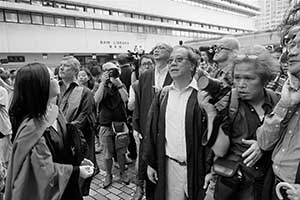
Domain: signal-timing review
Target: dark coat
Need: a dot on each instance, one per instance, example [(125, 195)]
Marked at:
[(144, 99), (154, 154), (78, 107)]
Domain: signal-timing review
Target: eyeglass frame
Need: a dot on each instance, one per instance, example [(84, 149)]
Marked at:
[(177, 60)]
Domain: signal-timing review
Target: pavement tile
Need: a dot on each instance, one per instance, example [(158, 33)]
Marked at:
[(100, 197), (127, 190), (113, 197), (102, 191), (123, 195), (118, 190), (114, 190), (117, 185)]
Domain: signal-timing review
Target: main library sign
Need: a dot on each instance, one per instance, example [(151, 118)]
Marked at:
[(114, 44)]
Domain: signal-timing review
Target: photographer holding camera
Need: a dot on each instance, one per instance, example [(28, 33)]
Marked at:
[(111, 97)]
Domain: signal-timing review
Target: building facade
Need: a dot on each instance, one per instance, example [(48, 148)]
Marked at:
[(272, 12), (46, 30), (264, 38)]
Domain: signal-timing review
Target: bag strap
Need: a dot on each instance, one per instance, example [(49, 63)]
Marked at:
[(233, 105)]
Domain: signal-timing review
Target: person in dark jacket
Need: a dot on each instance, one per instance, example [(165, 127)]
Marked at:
[(78, 106), (150, 82), (176, 160)]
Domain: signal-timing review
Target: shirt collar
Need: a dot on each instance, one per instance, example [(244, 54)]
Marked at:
[(192, 84), (162, 71)]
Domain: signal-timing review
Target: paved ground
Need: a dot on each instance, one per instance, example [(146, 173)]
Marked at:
[(117, 190)]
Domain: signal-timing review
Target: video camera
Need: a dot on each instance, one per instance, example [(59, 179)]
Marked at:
[(214, 87)]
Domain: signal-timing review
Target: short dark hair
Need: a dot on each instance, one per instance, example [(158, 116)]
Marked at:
[(31, 94)]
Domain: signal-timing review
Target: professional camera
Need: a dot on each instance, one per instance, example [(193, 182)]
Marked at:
[(214, 87), (114, 73)]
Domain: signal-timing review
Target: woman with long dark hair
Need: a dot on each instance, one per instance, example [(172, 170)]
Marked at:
[(41, 161)]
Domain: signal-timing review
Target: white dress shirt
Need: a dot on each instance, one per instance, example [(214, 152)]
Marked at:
[(160, 76), (175, 121)]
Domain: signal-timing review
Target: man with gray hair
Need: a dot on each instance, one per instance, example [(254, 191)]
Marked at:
[(78, 106), (225, 51)]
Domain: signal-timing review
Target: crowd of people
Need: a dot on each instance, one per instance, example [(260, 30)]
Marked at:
[(219, 122)]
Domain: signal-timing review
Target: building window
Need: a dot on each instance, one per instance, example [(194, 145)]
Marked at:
[(37, 2), (114, 13), (24, 1), (11, 16), (113, 27), (105, 12), (140, 29), (1, 16), (136, 16), (128, 15), (49, 20), (128, 27), (48, 3), (79, 23), (90, 10), (105, 26), (97, 24), (24, 18), (121, 27), (153, 30), (70, 7), (59, 5), (134, 28), (60, 21), (89, 24), (70, 22), (37, 18), (80, 8)]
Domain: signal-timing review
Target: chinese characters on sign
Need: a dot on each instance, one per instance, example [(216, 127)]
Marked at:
[(114, 44)]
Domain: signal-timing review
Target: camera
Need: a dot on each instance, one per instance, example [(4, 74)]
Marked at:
[(114, 73), (214, 87)]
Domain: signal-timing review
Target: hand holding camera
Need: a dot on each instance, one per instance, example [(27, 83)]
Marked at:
[(105, 77), (204, 102)]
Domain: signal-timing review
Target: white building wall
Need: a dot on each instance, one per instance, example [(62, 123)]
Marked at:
[(24, 38), (179, 10)]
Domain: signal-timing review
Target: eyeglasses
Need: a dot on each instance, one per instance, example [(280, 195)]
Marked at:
[(177, 60), (220, 48), (147, 64)]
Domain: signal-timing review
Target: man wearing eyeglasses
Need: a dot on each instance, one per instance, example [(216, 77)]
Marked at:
[(78, 106), (150, 82), (280, 131), (173, 150), (225, 51)]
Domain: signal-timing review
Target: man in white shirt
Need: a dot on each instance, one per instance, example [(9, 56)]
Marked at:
[(174, 155)]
